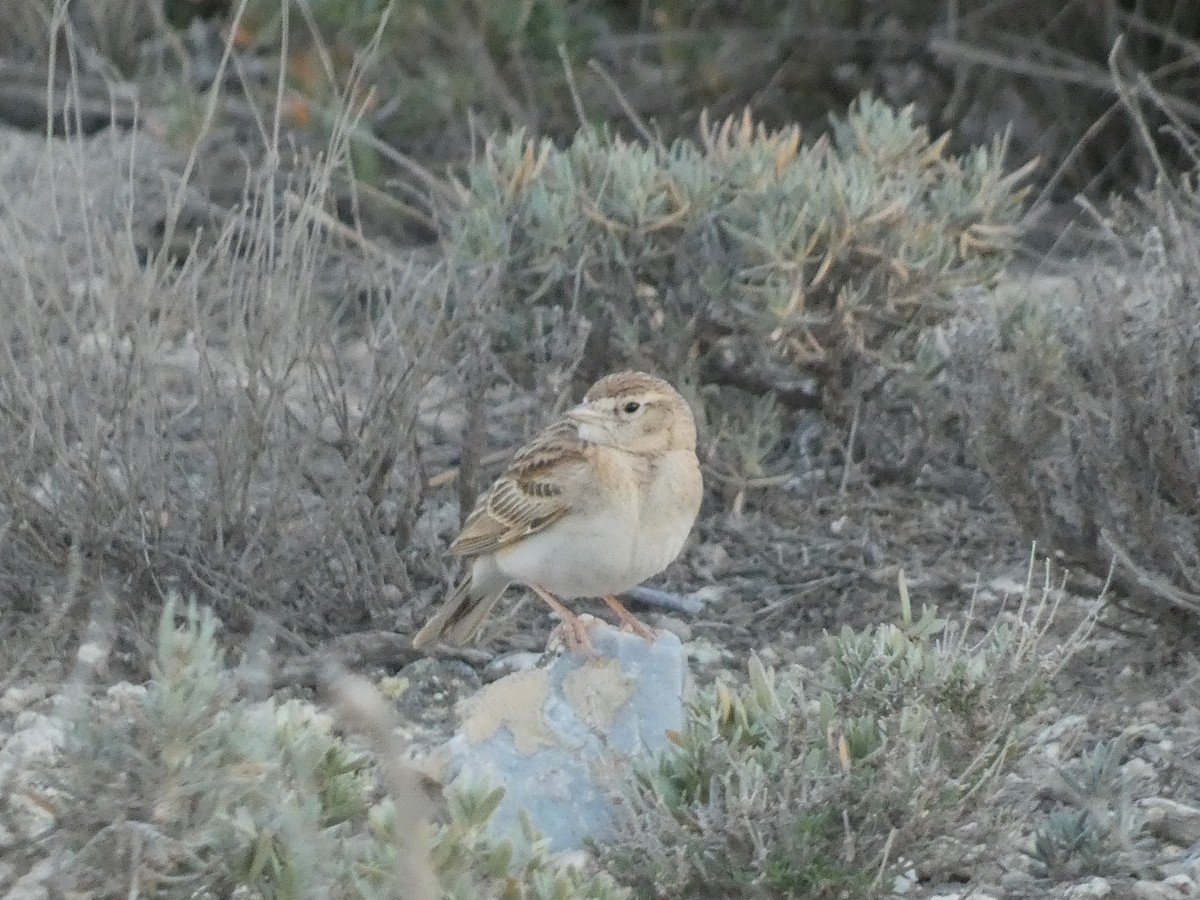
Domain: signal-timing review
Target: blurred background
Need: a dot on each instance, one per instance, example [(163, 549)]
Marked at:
[(427, 75)]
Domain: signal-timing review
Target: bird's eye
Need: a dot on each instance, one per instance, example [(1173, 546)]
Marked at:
[(632, 406)]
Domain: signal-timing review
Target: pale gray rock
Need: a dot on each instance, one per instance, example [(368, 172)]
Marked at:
[(560, 737), (33, 748), (34, 884), (1171, 820), (1093, 889), (1177, 887)]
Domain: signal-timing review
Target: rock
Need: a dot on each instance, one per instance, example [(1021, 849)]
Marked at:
[(126, 698), (1138, 776), (705, 653), (1182, 886), (431, 688), (21, 697), (1177, 887), (1017, 882), (34, 884), (1092, 889), (676, 626), (510, 664), (1050, 738), (34, 748), (906, 879), (709, 596), (556, 737), (1171, 820)]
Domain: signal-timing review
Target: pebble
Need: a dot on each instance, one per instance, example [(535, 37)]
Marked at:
[(20, 697)]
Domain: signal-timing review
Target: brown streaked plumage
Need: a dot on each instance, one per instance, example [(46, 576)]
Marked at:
[(527, 497), (595, 504)]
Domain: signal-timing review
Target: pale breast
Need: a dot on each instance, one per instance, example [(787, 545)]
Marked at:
[(616, 538), (671, 503), (590, 551)]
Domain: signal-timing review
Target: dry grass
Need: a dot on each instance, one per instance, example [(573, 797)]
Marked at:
[(239, 425)]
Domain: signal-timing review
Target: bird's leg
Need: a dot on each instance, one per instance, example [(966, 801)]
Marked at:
[(628, 619), (577, 636)]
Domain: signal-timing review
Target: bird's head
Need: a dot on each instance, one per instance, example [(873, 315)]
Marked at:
[(635, 412)]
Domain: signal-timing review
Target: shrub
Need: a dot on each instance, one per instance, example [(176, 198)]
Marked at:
[(114, 32), (195, 793), (1081, 398), (200, 792), (746, 257), (234, 423), (817, 783), (1097, 829)]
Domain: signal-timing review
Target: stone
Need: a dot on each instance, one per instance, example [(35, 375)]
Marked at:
[(1177, 887), (558, 737), (1171, 820), (1093, 889), (906, 879), (34, 884)]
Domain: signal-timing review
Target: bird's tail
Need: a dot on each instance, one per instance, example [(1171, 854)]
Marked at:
[(460, 616)]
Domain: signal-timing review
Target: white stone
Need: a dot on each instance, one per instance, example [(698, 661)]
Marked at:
[(19, 697), (37, 741), (905, 881)]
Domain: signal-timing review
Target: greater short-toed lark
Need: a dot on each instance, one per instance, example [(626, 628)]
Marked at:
[(594, 505)]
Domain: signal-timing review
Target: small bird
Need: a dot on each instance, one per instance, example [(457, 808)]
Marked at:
[(594, 505)]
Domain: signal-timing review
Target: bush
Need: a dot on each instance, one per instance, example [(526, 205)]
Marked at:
[(200, 792), (818, 783), (241, 424), (747, 257), (805, 783), (1081, 398)]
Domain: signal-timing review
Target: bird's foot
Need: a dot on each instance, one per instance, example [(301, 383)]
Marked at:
[(571, 628), (574, 634)]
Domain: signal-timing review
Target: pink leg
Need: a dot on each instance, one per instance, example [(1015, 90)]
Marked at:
[(629, 620)]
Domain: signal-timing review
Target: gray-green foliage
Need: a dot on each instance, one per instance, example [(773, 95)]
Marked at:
[(811, 783), (1098, 830), (200, 793), (229, 793), (517, 867), (745, 242)]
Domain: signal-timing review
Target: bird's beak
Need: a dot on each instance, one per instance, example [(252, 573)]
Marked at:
[(585, 415)]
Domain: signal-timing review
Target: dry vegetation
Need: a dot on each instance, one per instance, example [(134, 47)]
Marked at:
[(896, 744), (237, 425), (1083, 406)]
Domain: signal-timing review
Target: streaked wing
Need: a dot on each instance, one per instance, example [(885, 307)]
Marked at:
[(532, 494)]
